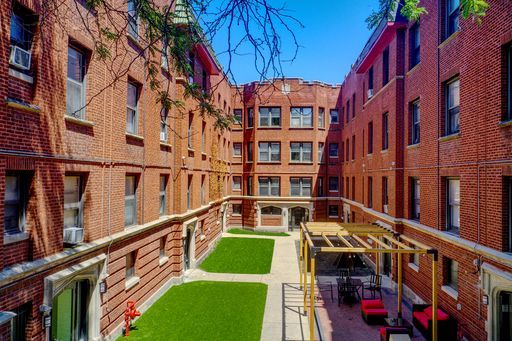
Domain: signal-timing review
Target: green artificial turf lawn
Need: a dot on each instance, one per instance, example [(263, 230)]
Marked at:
[(241, 256), (258, 233), (204, 310)]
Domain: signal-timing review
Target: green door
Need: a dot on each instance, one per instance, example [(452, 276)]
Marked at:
[(69, 313)]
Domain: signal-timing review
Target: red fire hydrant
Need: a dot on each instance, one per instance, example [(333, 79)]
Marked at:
[(129, 314)]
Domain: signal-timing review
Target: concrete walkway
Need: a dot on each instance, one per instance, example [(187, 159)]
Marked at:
[(284, 317)]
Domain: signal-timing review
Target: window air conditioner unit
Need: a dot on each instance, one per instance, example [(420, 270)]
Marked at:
[(385, 208), (20, 58), (163, 137), (73, 235), (370, 93)]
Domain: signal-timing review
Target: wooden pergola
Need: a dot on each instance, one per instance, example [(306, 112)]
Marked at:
[(333, 237)]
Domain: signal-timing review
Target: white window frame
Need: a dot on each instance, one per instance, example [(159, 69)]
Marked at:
[(164, 119), (237, 149), (337, 184), (271, 149), (132, 113), (163, 195), (129, 197), (301, 117), (133, 20), (334, 119), (304, 186), (20, 201), (453, 109), (332, 156), (321, 118), (74, 206), (269, 184), (453, 205), (237, 183), (80, 113), (301, 149), (337, 211), (269, 114)]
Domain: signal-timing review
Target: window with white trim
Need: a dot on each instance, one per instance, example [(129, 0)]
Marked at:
[(415, 198), (334, 116), (163, 248), (269, 152), (73, 205), (301, 117), (333, 150), (237, 149), (269, 186), (132, 108), (163, 195), (300, 187), (164, 122), (452, 106), (333, 211), (334, 184), (301, 152), (237, 115), (321, 118), (130, 200), (451, 273), (415, 122), (321, 147), (237, 209), (75, 89), (133, 19), (15, 202), (237, 183), (453, 205), (130, 268), (270, 117), (452, 17)]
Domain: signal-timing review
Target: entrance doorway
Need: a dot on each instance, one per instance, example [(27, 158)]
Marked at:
[(297, 215), (505, 315), (69, 312), (187, 243)]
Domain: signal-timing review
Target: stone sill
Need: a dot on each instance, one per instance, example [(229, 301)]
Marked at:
[(78, 121), (384, 151), (413, 146), (16, 104), (134, 41), (301, 128), (448, 40), (165, 144), (130, 283), (450, 291), (135, 136), (450, 137), (300, 163), (504, 124), (21, 76), (415, 67), (414, 267), (163, 260), (270, 128), (14, 238)]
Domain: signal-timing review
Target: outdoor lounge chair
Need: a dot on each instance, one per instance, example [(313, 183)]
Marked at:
[(422, 320), (386, 332), (373, 311)]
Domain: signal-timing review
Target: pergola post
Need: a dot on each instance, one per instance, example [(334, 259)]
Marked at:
[(301, 256), (434, 295), (312, 300), (377, 263), (305, 273), (399, 285)]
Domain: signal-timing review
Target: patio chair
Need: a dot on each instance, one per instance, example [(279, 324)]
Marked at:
[(373, 285), (344, 273), (324, 287), (348, 292)]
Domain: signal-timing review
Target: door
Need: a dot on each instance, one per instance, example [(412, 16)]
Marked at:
[(186, 249), (505, 315), (297, 216), (69, 313)]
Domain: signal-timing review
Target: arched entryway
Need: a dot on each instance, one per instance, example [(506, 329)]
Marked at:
[(505, 315), (297, 215)]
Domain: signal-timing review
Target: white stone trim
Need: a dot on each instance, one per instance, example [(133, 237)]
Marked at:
[(14, 238), (493, 282), (450, 291), (131, 282)]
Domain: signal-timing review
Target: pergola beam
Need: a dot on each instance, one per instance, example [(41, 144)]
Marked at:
[(344, 241), (327, 240), (378, 241), (396, 242), (362, 242)]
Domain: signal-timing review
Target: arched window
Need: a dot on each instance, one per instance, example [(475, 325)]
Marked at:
[(271, 210)]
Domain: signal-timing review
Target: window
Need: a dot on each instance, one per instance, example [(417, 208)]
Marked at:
[(347, 187), (370, 82), (189, 192), (190, 131), (269, 186), (15, 202), (301, 117), (353, 105), (203, 137), (333, 184), (73, 209), (320, 190), (348, 111), (335, 119), (414, 34), (333, 211), (237, 149), (415, 259), (508, 109), (385, 67), (270, 117), (238, 116), (353, 147), (370, 138), (130, 265), (333, 150), (385, 200), (165, 53), (453, 209), (452, 105), (75, 91), (451, 274), (385, 131), (370, 192), (22, 32), (320, 155), (250, 154), (162, 248), (237, 209), (250, 117), (130, 200), (204, 82), (321, 118), (300, 187), (271, 210), (301, 152), (415, 198), (508, 214), (132, 108), (163, 194), (133, 20), (269, 152), (237, 183), (353, 192), (19, 322), (192, 68), (203, 189), (164, 117), (415, 122), (452, 17), (249, 185), (347, 150)]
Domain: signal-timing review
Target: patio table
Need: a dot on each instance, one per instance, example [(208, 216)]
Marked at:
[(399, 323)]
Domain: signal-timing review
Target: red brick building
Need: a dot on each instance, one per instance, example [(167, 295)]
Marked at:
[(418, 137)]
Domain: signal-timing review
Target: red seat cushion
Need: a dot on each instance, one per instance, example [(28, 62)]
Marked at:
[(376, 312), (441, 315), (382, 331), (370, 304), (422, 318)]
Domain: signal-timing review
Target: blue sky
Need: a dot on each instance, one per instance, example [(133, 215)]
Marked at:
[(333, 35)]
